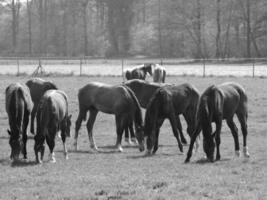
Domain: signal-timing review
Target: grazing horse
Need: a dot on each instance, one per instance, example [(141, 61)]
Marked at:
[(169, 102), (37, 88), (218, 103), (18, 107), (52, 116), (144, 90), (159, 74), (139, 72), (118, 100)]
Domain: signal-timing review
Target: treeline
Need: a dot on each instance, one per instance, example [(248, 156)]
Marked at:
[(114, 28)]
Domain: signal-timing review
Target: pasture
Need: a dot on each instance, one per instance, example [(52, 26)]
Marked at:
[(130, 175)]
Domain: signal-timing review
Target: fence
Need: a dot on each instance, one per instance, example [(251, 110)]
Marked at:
[(114, 67)]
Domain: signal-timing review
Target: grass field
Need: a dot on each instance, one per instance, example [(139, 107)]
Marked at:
[(129, 175)]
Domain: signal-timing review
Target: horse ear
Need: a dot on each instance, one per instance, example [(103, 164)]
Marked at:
[(9, 132)]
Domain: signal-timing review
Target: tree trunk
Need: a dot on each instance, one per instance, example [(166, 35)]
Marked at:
[(199, 31), (29, 8), (85, 26), (248, 6), (218, 35), (15, 8)]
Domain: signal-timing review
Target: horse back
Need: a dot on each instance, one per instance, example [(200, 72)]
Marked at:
[(235, 98), (18, 94), (57, 104), (103, 97), (38, 87)]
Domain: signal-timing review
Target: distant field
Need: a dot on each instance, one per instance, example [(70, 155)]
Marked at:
[(129, 175), (114, 67)]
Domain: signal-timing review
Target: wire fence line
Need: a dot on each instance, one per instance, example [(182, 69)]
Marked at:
[(115, 67)]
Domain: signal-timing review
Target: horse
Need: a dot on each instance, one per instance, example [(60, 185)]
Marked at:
[(52, 116), (139, 72), (37, 88), (159, 74), (118, 100), (144, 90), (18, 107), (169, 102), (219, 103)]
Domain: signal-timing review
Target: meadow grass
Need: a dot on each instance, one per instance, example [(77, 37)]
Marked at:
[(130, 175)]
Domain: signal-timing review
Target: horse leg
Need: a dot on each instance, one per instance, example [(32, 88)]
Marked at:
[(120, 124), (159, 124), (192, 141), (89, 125), (50, 140), (63, 137), (33, 113), (179, 126), (234, 131), (243, 121), (127, 139), (77, 128), (24, 133), (39, 146), (218, 138), (174, 130)]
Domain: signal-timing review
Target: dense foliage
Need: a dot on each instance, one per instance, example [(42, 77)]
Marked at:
[(169, 28)]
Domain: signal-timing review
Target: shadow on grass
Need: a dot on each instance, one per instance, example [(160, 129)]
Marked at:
[(5, 162), (23, 163), (101, 150), (203, 161)]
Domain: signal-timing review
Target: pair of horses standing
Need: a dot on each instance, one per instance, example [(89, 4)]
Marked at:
[(166, 101), (41, 97), (158, 72)]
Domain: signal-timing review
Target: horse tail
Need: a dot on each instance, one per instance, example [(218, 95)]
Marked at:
[(138, 118), (218, 101), (82, 110), (20, 104)]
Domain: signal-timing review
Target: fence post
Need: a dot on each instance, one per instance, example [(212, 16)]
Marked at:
[(253, 68), (122, 69), (18, 71), (81, 63), (204, 68)]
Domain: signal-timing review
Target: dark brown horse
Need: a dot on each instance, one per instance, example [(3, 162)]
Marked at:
[(18, 107), (144, 90), (169, 102), (218, 103), (37, 88), (52, 116), (118, 100), (139, 72), (159, 74)]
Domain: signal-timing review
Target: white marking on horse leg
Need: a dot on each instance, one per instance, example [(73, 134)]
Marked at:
[(145, 142), (65, 151), (75, 144), (237, 153), (245, 151), (92, 142), (120, 149), (59, 134), (52, 158)]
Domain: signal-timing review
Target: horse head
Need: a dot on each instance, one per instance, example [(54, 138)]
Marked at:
[(16, 144), (209, 147), (140, 138)]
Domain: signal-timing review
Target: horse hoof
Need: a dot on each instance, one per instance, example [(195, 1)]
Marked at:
[(237, 153)]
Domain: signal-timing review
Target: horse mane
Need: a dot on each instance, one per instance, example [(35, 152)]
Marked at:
[(49, 86), (138, 118)]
